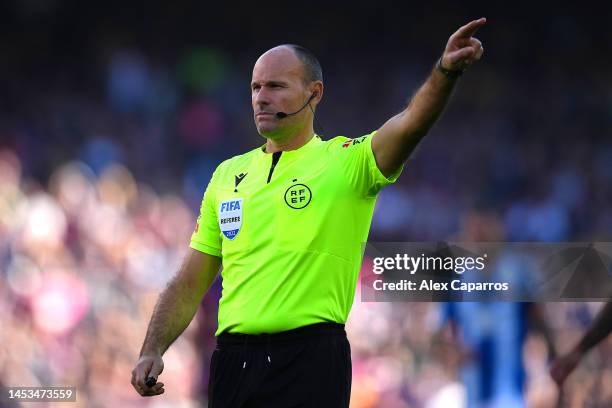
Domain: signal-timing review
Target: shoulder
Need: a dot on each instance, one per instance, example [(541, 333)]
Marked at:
[(344, 143), (229, 167), (336, 142)]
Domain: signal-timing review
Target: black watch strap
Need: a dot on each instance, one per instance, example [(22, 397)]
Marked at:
[(451, 74)]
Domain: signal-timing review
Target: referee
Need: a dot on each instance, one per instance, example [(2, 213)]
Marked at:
[(287, 220)]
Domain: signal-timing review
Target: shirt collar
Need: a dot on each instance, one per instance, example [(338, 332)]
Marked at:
[(313, 142)]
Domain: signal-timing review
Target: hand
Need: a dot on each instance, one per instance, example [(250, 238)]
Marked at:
[(563, 366), (148, 366), (462, 50)]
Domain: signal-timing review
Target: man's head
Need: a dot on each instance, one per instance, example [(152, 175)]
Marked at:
[(284, 79)]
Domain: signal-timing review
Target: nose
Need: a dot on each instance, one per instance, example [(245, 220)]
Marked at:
[(261, 97)]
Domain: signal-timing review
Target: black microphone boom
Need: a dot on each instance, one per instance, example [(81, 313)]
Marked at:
[(282, 115)]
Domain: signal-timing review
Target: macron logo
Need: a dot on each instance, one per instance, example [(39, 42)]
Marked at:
[(239, 178)]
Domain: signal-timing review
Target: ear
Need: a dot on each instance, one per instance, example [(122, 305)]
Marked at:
[(316, 90)]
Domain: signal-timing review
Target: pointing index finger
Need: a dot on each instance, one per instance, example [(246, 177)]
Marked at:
[(470, 28)]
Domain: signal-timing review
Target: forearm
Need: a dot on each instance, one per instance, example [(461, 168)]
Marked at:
[(426, 105), (173, 312), (179, 302), (400, 135), (599, 330)]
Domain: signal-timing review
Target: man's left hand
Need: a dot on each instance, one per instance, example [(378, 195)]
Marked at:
[(462, 49)]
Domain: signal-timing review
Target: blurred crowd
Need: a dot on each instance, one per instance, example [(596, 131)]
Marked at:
[(107, 143), (84, 257)]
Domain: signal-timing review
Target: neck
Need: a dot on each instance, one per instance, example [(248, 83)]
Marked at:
[(293, 142)]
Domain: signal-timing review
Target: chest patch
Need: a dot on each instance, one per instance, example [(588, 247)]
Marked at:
[(230, 217)]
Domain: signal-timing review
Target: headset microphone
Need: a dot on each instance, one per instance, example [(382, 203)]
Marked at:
[(282, 115)]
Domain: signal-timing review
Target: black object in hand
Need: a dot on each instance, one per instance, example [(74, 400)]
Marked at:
[(151, 382)]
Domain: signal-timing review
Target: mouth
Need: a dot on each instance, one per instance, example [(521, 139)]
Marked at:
[(263, 114)]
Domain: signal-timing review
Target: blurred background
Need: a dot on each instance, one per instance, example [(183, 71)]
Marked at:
[(114, 115)]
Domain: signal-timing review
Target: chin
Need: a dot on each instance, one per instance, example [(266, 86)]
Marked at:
[(269, 132)]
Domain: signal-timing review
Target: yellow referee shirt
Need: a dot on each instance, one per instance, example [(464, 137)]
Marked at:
[(289, 227)]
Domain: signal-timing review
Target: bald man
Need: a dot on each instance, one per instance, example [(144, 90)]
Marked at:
[(287, 221)]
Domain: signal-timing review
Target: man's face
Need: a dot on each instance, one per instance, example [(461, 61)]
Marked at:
[(277, 86)]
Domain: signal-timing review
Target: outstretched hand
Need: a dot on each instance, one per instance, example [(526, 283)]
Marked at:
[(462, 49)]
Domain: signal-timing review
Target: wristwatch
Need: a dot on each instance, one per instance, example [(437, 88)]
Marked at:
[(450, 74)]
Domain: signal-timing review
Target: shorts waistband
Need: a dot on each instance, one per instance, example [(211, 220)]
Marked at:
[(294, 334)]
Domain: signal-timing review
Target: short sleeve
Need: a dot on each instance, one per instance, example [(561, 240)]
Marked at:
[(207, 236), (359, 164)]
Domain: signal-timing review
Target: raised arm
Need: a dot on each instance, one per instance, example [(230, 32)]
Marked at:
[(173, 312), (398, 137)]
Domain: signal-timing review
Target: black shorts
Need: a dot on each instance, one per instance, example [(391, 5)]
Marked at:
[(306, 367)]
